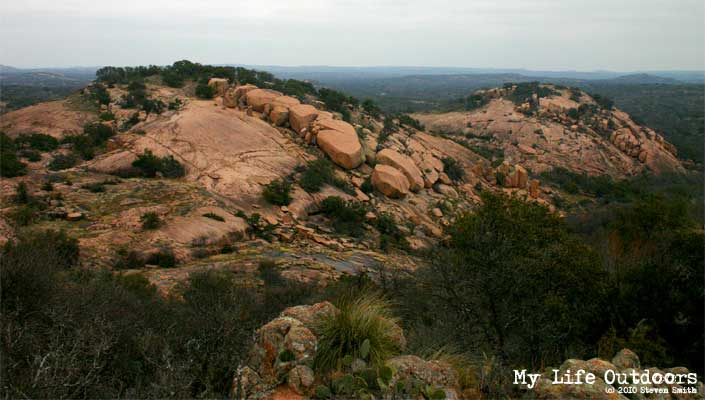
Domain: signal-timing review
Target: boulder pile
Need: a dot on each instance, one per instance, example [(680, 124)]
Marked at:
[(338, 139), (281, 360)]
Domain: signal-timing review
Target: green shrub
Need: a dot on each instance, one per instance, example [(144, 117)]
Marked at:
[(150, 221), (348, 217), (148, 163), (322, 172), (204, 91), (367, 186), (107, 116), (153, 106), (22, 195), (62, 161), (126, 259), (363, 328), (170, 168), (259, 227), (389, 232), (94, 187), (175, 104), (453, 169), (214, 217), (317, 173), (83, 145), (38, 141), (172, 79), (278, 192), (164, 258), (30, 155), (10, 165)]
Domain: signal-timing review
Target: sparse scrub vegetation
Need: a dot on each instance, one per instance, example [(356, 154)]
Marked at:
[(150, 221), (215, 217), (453, 169), (322, 172), (278, 192), (347, 217), (149, 165)]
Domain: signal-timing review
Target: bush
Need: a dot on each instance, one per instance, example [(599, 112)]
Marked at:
[(278, 192), (214, 217), (364, 328), (38, 141), (204, 91), (367, 186), (126, 259), (82, 145), (10, 165), (62, 161), (453, 169), (22, 195), (534, 289), (170, 168), (348, 217), (149, 165), (322, 172), (150, 221), (30, 155), (164, 258), (95, 187), (107, 116)]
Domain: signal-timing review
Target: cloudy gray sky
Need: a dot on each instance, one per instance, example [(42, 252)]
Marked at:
[(621, 35)]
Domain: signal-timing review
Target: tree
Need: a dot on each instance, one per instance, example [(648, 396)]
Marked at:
[(517, 284)]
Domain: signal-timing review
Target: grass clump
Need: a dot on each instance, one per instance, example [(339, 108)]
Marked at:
[(363, 328), (278, 192)]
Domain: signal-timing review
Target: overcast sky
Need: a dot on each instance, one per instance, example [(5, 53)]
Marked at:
[(620, 35)]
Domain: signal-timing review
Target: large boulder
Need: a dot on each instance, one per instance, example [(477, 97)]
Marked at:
[(219, 86), (403, 164), (232, 96), (301, 116), (339, 141), (279, 109), (258, 98), (279, 115), (390, 181), (286, 101)]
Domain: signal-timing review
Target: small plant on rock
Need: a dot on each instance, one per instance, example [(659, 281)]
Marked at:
[(278, 192), (150, 221)]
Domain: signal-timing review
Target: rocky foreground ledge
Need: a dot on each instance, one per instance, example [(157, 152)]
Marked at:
[(281, 366)]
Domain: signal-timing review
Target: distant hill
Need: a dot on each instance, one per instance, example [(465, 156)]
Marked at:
[(643, 79)]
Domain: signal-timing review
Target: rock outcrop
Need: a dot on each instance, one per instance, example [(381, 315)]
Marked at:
[(405, 165), (281, 359), (258, 98), (339, 141), (301, 117), (390, 181), (218, 85)]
